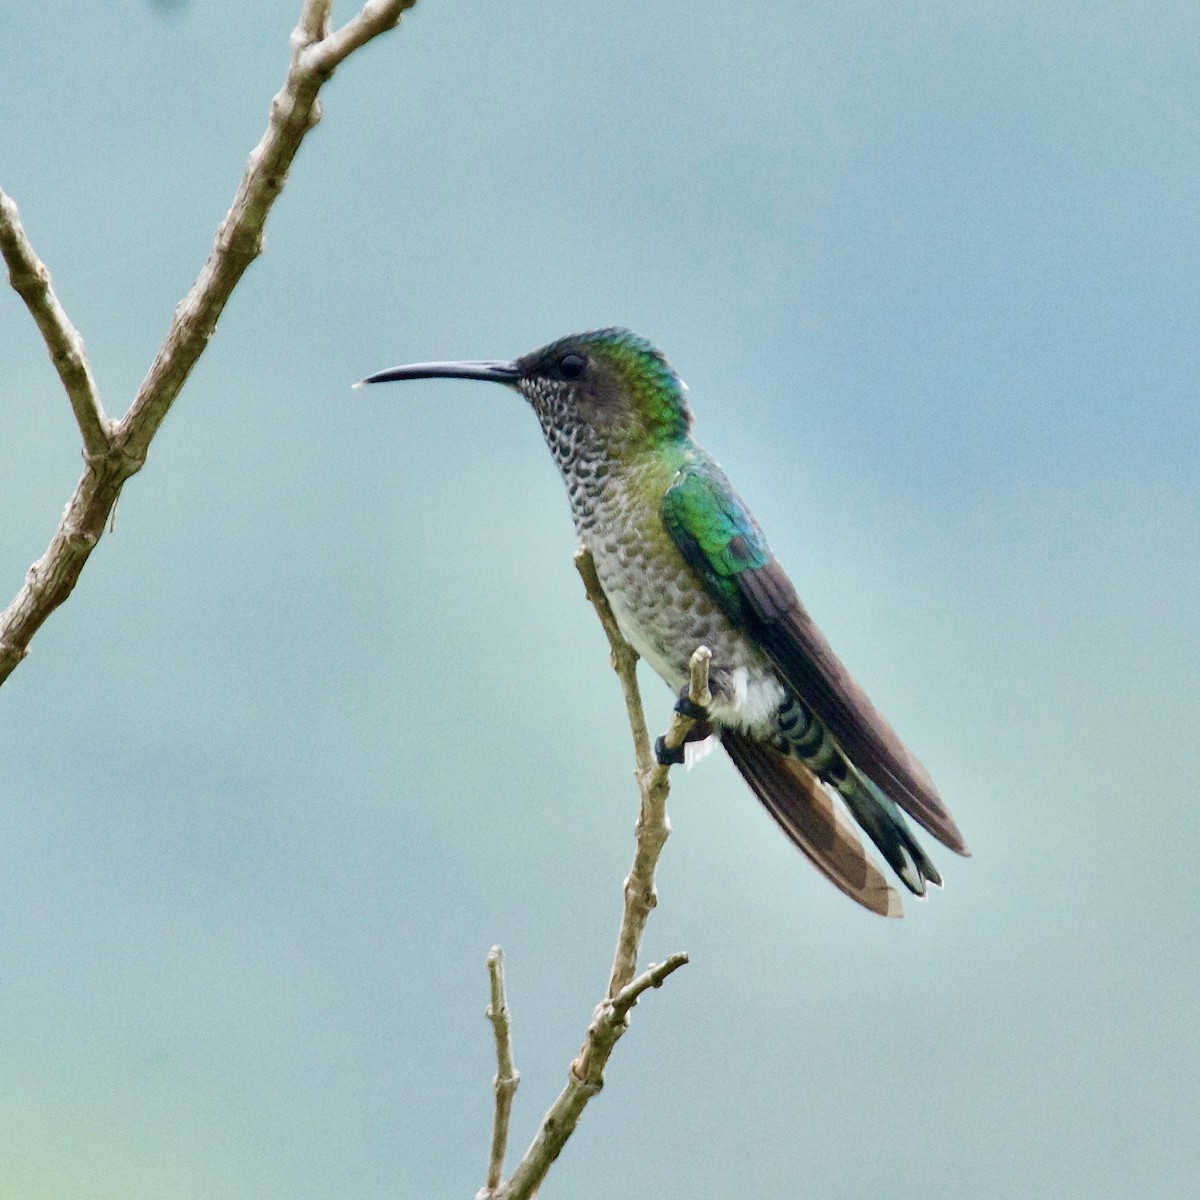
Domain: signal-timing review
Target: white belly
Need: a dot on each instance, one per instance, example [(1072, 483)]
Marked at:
[(746, 691)]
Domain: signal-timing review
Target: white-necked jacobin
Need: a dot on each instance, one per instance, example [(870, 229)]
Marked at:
[(684, 563)]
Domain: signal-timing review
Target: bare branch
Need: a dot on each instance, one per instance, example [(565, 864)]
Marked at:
[(653, 977), (652, 830), (584, 1080), (653, 827), (115, 451), (294, 111), (31, 281), (314, 22), (611, 1018), (51, 579), (624, 658), (376, 17), (507, 1076)]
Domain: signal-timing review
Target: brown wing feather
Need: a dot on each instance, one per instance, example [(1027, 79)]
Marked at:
[(799, 649), (808, 815)]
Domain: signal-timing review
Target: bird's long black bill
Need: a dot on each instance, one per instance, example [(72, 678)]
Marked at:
[(490, 372)]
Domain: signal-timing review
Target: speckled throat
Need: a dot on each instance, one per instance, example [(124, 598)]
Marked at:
[(582, 461), (662, 606)]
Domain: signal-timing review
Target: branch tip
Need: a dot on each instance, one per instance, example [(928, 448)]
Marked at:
[(653, 977), (30, 279), (698, 687), (507, 1076)]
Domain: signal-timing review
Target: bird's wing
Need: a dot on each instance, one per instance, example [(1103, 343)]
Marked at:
[(722, 542)]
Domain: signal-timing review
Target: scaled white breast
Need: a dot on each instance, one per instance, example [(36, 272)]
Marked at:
[(640, 638), (749, 699)]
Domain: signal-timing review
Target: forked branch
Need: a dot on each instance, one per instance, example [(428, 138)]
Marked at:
[(113, 451), (611, 1017)]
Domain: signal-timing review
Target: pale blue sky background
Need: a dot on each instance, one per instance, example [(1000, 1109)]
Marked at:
[(930, 270)]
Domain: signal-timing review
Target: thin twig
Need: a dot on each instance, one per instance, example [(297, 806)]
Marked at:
[(116, 450), (30, 279), (376, 17), (611, 1018), (584, 1080), (314, 22), (652, 830), (507, 1076), (623, 656), (653, 826), (653, 977), (239, 241)]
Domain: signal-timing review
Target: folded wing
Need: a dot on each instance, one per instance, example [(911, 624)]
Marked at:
[(722, 542)]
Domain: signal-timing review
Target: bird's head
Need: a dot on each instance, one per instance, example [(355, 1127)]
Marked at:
[(608, 390)]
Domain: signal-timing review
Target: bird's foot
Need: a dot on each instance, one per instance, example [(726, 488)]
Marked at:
[(668, 756), (685, 706)]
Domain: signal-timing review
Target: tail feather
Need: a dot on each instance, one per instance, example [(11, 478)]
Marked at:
[(806, 812), (801, 735), (884, 823)]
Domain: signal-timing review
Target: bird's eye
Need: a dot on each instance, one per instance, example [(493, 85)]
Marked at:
[(571, 366)]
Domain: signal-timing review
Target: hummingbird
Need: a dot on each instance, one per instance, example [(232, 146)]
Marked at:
[(684, 563)]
